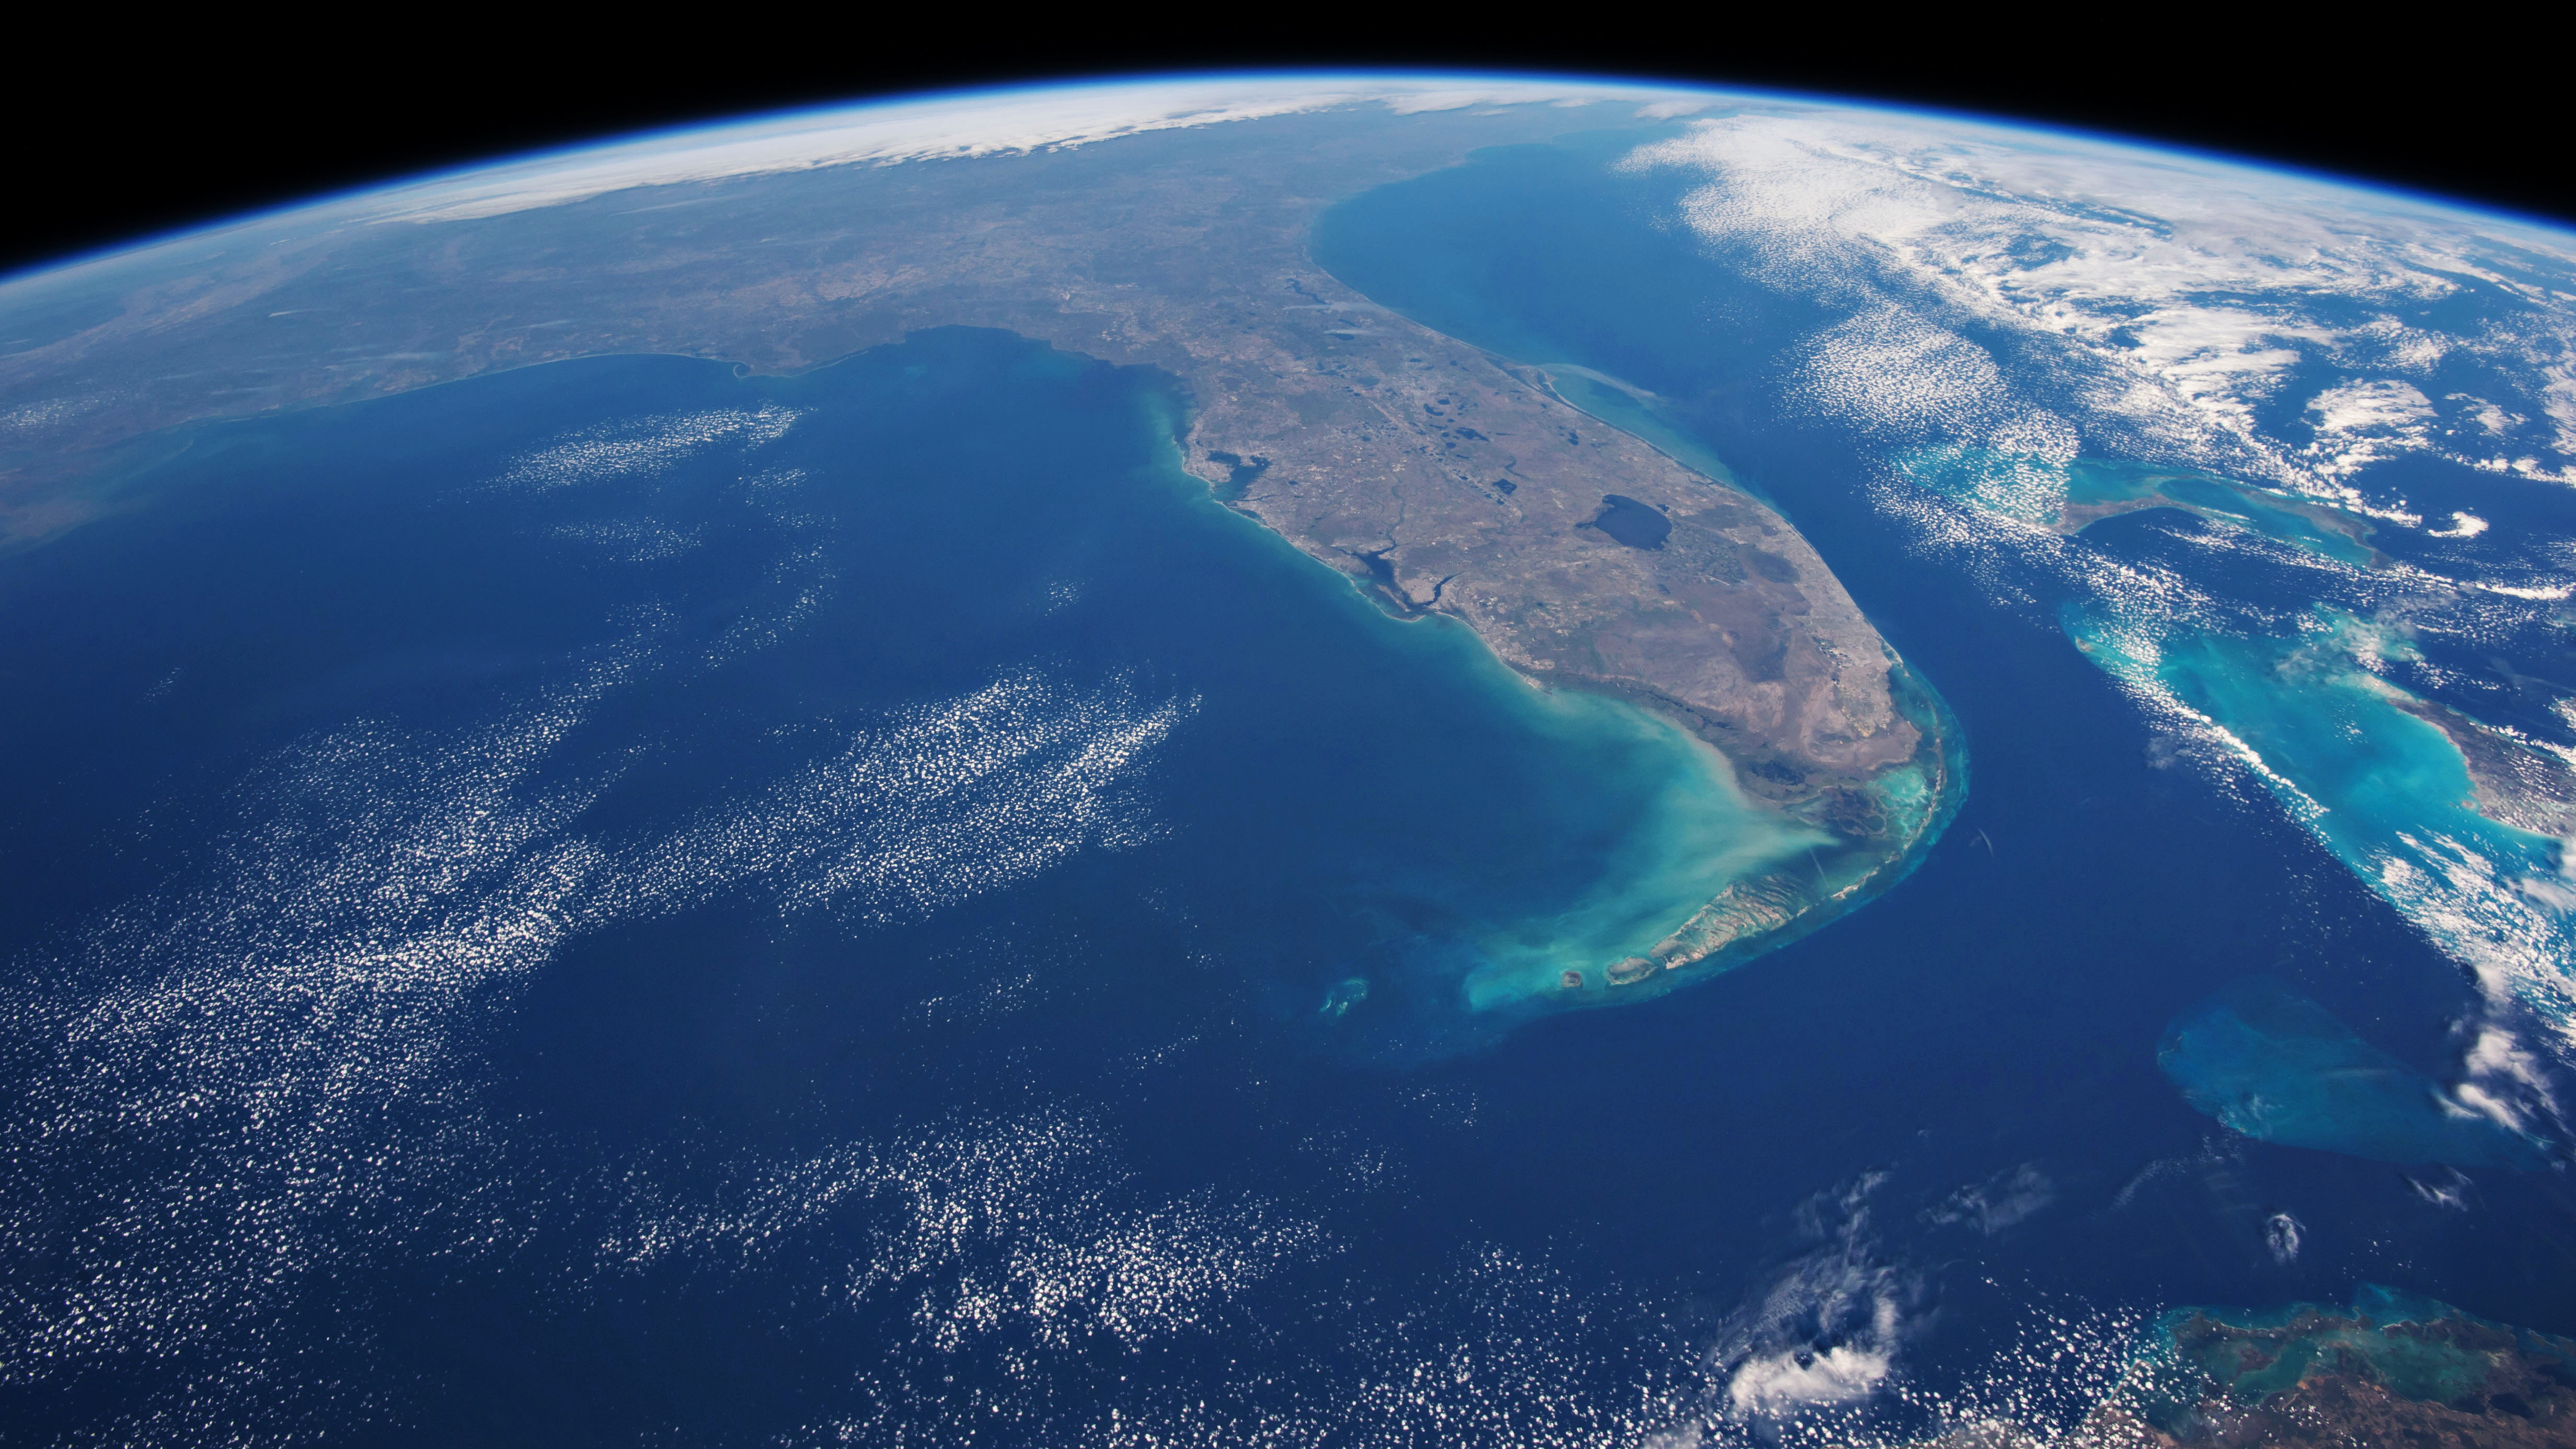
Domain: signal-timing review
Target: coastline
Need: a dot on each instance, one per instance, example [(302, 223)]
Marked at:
[(1911, 800), (1756, 917), (1435, 475)]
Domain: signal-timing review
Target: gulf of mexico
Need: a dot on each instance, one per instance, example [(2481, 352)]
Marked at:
[(633, 890)]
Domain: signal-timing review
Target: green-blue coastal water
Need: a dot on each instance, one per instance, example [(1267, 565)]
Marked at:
[(2275, 1066), (2117, 866), (720, 826), (2351, 754), (1424, 821), (1698, 835), (2411, 1348), (2353, 759), (621, 903), (2065, 493)]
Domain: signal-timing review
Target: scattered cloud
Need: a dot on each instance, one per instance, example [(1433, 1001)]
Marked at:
[(2002, 1201)]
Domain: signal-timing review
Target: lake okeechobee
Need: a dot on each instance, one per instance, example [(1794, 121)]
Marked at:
[(636, 899)]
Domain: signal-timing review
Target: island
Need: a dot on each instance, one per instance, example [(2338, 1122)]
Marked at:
[(2390, 1369)]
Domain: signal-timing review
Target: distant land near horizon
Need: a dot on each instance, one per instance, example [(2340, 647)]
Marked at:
[(2471, 127), (978, 768)]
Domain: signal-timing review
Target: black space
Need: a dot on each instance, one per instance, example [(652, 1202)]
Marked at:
[(179, 129)]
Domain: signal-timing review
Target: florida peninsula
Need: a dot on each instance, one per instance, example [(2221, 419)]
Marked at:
[(1442, 479)]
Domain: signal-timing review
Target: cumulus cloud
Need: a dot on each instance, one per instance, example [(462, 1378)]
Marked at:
[(1825, 1333), (2363, 422), (2451, 1193), (2282, 1235), (1892, 371), (2502, 1079), (289, 1028), (933, 806), (2002, 1201), (633, 447), (2177, 296), (1031, 1224)]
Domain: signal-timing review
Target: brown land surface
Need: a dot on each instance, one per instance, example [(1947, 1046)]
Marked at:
[(2076, 517), (2524, 1397), (2515, 784), (1442, 478)]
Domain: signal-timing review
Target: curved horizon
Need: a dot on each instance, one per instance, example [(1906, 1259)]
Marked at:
[(1362, 86)]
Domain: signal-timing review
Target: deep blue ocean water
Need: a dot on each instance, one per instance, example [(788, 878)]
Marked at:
[(615, 901), (2089, 893), (971, 707)]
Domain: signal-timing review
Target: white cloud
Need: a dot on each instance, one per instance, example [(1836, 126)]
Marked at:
[(2359, 423), (935, 806), (1892, 370), (991, 123), (2179, 293), (633, 446), (1803, 1378), (290, 1030), (1033, 1221), (2002, 1201), (1826, 1332), (2283, 1233)]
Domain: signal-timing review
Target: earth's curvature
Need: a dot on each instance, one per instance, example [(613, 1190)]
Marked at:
[(1300, 760)]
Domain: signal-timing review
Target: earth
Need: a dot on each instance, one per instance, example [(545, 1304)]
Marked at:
[(1296, 759)]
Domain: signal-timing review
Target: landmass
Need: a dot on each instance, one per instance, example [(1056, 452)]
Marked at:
[(1441, 479), (2391, 1370), (2098, 490), (2513, 783)]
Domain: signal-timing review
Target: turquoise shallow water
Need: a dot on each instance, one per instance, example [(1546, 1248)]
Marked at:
[(2387, 791), (1468, 836), (2113, 868), (628, 904), (646, 757), (1663, 828), (2031, 488), (2409, 1346), (2275, 1066), (744, 822), (1698, 835), (2326, 532)]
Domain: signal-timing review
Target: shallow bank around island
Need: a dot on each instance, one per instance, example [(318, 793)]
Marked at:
[(2071, 495), (2454, 824), (2277, 1067), (2393, 1368)]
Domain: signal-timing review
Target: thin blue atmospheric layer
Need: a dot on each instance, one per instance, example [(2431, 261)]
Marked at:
[(2277, 1067), (1437, 840)]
